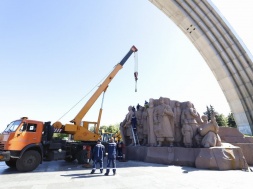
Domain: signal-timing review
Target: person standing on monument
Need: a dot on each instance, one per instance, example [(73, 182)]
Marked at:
[(138, 115), (134, 126)]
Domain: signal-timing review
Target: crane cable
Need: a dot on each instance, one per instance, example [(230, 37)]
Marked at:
[(135, 76), (85, 97), (136, 69)]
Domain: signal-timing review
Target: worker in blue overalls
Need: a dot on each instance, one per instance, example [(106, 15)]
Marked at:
[(111, 157), (98, 153)]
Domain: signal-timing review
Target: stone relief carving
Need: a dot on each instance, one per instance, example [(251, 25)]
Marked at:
[(127, 126), (209, 132), (145, 125), (177, 124), (139, 124), (165, 122)]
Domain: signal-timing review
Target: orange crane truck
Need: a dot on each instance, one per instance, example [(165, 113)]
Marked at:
[(25, 143)]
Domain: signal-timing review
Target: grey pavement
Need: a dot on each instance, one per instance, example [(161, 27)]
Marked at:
[(130, 174)]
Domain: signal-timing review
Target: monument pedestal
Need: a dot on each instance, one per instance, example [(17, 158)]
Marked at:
[(218, 158), (221, 158)]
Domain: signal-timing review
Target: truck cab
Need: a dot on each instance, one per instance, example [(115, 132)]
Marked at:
[(25, 143), (21, 133), (20, 144)]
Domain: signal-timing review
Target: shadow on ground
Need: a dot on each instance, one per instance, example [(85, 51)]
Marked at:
[(55, 166)]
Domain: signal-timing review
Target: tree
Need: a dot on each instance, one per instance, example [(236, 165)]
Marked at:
[(103, 129), (209, 111), (221, 120), (231, 120), (110, 128)]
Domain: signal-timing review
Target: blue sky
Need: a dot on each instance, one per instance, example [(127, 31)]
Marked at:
[(52, 53)]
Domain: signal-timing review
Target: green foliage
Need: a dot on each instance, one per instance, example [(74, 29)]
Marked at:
[(60, 135), (110, 128), (231, 120), (209, 111), (221, 120)]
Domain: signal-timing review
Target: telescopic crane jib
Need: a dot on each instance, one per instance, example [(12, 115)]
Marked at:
[(79, 128)]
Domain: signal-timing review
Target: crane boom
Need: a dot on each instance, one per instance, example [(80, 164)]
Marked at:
[(102, 88)]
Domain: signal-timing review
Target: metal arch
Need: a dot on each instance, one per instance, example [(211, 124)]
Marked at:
[(226, 56)]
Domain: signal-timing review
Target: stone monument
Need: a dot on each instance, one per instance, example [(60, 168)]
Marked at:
[(173, 132)]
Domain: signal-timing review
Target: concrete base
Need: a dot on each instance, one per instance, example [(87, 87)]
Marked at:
[(218, 158), (236, 138), (247, 150), (221, 158)]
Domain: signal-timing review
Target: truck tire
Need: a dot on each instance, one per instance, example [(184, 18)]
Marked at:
[(29, 161), (11, 163), (81, 157)]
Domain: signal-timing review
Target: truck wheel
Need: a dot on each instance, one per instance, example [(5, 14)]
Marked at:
[(11, 163), (81, 157), (29, 161)]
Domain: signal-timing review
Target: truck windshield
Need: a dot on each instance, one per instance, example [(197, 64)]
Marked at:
[(12, 126)]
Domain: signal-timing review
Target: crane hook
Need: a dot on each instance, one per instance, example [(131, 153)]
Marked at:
[(136, 69), (136, 78)]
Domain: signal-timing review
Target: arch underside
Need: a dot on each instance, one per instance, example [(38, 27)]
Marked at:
[(225, 54)]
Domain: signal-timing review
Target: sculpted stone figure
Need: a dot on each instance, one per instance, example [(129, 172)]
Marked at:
[(209, 132), (145, 125), (189, 117), (163, 119), (157, 122), (151, 135), (123, 131), (128, 126), (204, 119), (187, 133), (198, 137), (177, 123)]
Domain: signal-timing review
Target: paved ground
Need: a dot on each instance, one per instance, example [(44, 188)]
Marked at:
[(131, 174)]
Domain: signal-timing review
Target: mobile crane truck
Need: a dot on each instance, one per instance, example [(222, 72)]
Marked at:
[(25, 143)]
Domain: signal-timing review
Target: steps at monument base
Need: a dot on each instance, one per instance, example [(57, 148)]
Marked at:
[(219, 158), (232, 139), (233, 135)]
